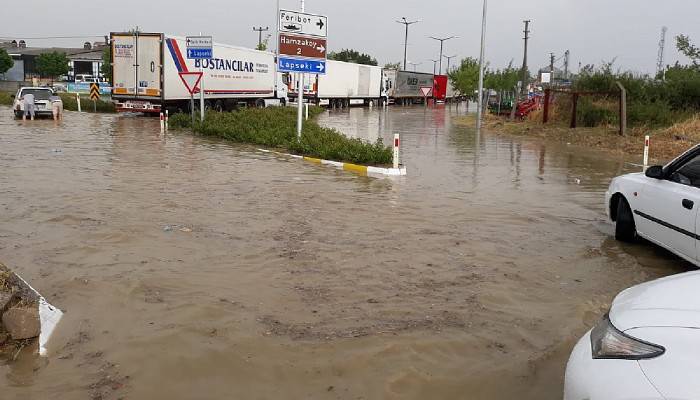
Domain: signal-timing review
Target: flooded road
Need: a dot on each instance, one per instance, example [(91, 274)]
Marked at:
[(191, 268)]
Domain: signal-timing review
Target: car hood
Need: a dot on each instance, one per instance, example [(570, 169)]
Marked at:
[(666, 302)]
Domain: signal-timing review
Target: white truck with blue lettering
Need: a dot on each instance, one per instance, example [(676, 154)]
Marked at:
[(146, 77)]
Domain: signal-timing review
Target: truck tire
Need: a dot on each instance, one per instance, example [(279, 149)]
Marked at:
[(219, 106), (260, 103), (625, 229)]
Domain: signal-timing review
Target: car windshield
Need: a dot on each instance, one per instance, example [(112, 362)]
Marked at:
[(39, 94)]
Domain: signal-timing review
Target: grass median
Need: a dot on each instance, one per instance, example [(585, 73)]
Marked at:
[(275, 127)]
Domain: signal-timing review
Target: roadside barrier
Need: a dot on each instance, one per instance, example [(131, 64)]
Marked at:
[(162, 122), (397, 143), (167, 117), (360, 169), (77, 99), (646, 153)]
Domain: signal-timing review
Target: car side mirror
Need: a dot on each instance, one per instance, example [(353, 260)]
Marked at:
[(655, 172)]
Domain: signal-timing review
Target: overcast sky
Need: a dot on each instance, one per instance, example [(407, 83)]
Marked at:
[(593, 30)]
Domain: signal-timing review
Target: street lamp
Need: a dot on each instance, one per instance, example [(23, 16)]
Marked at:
[(434, 65), (414, 65), (442, 42), (404, 21), (448, 62)]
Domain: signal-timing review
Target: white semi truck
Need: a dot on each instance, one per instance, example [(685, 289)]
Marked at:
[(146, 71), (344, 84)]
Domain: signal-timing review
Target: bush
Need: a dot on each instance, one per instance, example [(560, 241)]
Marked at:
[(5, 98), (591, 114), (276, 127), (70, 103)]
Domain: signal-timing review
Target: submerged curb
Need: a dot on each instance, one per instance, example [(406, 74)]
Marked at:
[(361, 169)]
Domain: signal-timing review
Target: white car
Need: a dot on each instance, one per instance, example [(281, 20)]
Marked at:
[(43, 99), (660, 205), (645, 348)]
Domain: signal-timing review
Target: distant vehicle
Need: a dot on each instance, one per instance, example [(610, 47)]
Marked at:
[(236, 75), (42, 101), (660, 205), (344, 84), (646, 347), (293, 27), (82, 78)]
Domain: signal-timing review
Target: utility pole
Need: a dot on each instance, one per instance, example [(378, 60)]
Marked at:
[(434, 65), (260, 30), (524, 77), (448, 62), (551, 69), (300, 99), (481, 68), (442, 42), (567, 54), (405, 42)]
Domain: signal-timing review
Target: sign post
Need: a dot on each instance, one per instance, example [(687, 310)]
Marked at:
[(200, 48), (426, 92), (191, 81), (302, 49), (94, 94)]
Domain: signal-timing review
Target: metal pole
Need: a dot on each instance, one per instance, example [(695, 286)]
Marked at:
[(201, 92), (192, 108), (479, 112), (523, 88), (441, 45), (300, 110), (405, 47)]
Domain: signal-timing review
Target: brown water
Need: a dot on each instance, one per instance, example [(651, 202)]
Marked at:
[(191, 268)]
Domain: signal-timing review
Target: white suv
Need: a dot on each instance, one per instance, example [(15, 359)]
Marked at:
[(43, 98)]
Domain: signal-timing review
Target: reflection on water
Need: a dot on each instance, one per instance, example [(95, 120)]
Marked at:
[(192, 268)]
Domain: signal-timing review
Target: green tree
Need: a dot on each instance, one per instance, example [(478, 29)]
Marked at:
[(465, 78), (262, 46), (352, 56), (5, 61), (52, 65), (505, 79), (686, 46), (396, 65), (106, 68)]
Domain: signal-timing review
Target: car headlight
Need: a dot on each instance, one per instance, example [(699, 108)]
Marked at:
[(609, 343)]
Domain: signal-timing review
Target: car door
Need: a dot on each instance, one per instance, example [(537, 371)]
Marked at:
[(669, 207)]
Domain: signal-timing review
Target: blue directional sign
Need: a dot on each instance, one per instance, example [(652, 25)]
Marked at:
[(290, 64), (199, 54)]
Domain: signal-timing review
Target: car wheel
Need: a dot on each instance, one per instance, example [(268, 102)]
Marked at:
[(625, 229)]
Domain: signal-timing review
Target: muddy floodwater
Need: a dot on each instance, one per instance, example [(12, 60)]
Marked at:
[(190, 268)]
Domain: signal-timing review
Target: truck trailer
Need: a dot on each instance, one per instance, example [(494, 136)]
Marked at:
[(146, 71), (344, 84), (406, 87)]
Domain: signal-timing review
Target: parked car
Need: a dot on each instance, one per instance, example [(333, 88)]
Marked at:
[(660, 205), (43, 96), (645, 348)]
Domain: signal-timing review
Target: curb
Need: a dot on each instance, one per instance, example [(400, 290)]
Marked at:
[(360, 169)]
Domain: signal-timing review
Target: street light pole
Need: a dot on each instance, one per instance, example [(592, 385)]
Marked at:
[(260, 30), (481, 68), (434, 65), (442, 42), (406, 22), (414, 65), (448, 62)]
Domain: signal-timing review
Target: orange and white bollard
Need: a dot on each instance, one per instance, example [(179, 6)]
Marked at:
[(646, 153), (397, 143), (162, 122)]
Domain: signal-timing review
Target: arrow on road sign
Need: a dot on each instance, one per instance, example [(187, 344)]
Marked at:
[(94, 91), (320, 23), (320, 67), (191, 81)]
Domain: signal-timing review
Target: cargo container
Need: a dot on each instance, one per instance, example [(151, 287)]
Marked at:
[(146, 75), (343, 84)]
